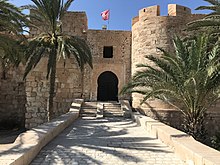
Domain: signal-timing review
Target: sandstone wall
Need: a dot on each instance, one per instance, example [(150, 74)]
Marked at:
[(120, 64), (68, 87), (12, 99), (70, 82), (73, 23)]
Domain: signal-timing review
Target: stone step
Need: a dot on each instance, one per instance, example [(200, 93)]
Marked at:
[(118, 107), (88, 115), (112, 104), (113, 114), (112, 110), (90, 104), (88, 109)]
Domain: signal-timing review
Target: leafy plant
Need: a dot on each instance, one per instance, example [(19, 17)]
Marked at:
[(189, 80), (52, 42), (210, 22), (215, 141), (12, 22)]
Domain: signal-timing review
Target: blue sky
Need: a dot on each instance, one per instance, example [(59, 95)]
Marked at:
[(122, 11)]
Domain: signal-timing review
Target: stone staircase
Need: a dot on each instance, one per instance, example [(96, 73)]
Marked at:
[(112, 109), (88, 109), (101, 109)]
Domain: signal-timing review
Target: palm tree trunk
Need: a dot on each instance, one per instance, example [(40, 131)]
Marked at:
[(3, 71), (194, 125), (50, 105), (82, 83)]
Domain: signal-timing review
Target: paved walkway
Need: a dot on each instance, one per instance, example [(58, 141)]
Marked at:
[(105, 141)]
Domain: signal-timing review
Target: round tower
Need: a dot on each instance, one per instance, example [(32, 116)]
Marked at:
[(149, 31)]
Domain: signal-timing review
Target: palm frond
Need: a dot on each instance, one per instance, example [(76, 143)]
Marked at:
[(190, 76), (214, 8), (213, 2), (65, 7)]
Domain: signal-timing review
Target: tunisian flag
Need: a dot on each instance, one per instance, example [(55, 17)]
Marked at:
[(105, 14)]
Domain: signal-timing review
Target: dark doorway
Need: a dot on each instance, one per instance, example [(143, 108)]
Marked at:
[(107, 87)]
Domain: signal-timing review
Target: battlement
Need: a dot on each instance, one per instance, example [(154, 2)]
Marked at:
[(177, 10), (173, 10), (150, 11)]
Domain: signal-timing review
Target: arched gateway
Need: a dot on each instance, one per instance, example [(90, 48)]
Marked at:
[(107, 87)]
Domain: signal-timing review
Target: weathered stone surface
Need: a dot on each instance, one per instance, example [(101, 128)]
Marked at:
[(149, 30), (12, 99)]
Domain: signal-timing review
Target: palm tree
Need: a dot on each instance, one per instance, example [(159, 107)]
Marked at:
[(11, 18), (210, 21), (12, 22), (11, 53), (189, 80), (53, 42)]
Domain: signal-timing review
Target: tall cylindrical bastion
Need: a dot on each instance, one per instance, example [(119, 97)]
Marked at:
[(149, 31)]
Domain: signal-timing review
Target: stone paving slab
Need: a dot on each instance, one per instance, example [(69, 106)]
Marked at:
[(106, 141)]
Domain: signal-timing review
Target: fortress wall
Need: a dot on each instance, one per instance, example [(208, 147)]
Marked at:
[(73, 23), (69, 79), (70, 82), (120, 64), (68, 87)]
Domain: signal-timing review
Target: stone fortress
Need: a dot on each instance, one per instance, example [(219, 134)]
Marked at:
[(115, 55)]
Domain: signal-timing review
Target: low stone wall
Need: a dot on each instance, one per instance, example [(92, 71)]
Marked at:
[(170, 117), (28, 144), (174, 118), (187, 148)]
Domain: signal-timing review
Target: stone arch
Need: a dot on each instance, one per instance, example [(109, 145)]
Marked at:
[(107, 89)]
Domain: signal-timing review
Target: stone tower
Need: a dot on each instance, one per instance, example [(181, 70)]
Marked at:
[(149, 31)]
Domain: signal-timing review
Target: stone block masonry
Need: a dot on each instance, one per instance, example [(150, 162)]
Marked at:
[(70, 82), (68, 87), (12, 99)]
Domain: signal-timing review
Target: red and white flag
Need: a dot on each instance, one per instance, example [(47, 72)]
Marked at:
[(105, 14)]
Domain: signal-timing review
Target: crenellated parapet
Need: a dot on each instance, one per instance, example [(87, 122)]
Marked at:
[(177, 10), (152, 11)]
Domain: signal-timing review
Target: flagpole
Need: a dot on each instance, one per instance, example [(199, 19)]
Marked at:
[(105, 16), (109, 19)]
